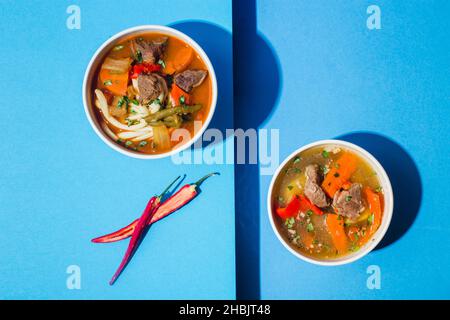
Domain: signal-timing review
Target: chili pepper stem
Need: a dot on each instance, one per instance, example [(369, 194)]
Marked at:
[(201, 180), (168, 187)]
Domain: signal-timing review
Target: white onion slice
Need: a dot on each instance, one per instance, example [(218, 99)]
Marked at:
[(143, 137), (109, 132)]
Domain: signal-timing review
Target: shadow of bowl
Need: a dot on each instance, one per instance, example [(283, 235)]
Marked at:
[(404, 176)]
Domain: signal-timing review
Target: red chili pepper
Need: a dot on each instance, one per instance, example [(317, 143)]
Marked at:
[(148, 213), (297, 204), (144, 68), (175, 202)]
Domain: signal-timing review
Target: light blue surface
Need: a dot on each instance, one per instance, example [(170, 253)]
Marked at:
[(339, 77), (61, 185)]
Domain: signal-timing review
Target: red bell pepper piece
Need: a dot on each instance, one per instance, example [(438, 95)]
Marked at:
[(149, 211), (144, 68), (175, 202), (308, 205), (297, 204), (291, 210)]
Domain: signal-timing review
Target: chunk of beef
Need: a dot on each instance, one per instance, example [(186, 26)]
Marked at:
[(189, 79), (313, 191), (151, 50), (349, 202), (150, 87)]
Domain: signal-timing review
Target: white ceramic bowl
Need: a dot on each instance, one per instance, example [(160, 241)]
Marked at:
[(98, 58), (387, 213)]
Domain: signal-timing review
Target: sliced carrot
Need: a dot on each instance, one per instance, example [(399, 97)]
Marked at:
[(116, 83), (181, 60), (335, 226), (177, 93), (339, 173), (374, 201)]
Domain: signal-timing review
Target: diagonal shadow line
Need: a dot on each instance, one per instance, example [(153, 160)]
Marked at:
[(256, 86)]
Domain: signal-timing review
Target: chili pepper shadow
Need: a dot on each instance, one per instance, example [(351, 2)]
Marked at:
[(404, 176)]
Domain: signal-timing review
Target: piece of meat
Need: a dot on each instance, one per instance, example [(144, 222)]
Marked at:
[(151, 50), (150, 87), (189, 79), (313, 191), (349, 202)]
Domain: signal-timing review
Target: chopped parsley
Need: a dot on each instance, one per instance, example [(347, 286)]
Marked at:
[(309, 227), (354, 248), (182, 99), (325, 154), (297, 159), (379, 189), (289, 222), (336, 175), (309, 213), (143, 143), (128, 143), (162, 63), (348, 198), (135, 102), (370, 219), (139, 57), (107, 83)]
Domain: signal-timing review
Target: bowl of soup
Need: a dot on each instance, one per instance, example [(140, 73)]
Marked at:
[(150, 91), (330, 202)]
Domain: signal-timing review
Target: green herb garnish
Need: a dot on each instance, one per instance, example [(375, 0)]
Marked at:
[(290, 188), (128, 143), (297, 159), (309, 227), (135, 102), (309, 213), (289, 222), (370, 218), (336, 175), (143, 143), (348, 198), (325, 154), (379, 189), (119, 47), (107, 83), (162, 63), (182, 99), (139, 56)]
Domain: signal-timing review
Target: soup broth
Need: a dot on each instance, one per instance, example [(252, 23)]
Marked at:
[(147, 87), (328, 202)]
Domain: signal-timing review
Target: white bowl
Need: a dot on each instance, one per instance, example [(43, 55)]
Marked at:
[(98, 58), (387, 213)]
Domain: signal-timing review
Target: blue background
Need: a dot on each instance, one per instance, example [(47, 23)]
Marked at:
[(309, 68), (387, 90), (61, 185)]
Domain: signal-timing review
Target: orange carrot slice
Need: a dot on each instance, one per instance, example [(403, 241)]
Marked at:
[(181, 60), (374, 201), (339, 173), (116, 83), (177, 93), (335, 226)]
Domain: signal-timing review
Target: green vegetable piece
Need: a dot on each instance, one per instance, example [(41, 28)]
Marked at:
[(309, 227)]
